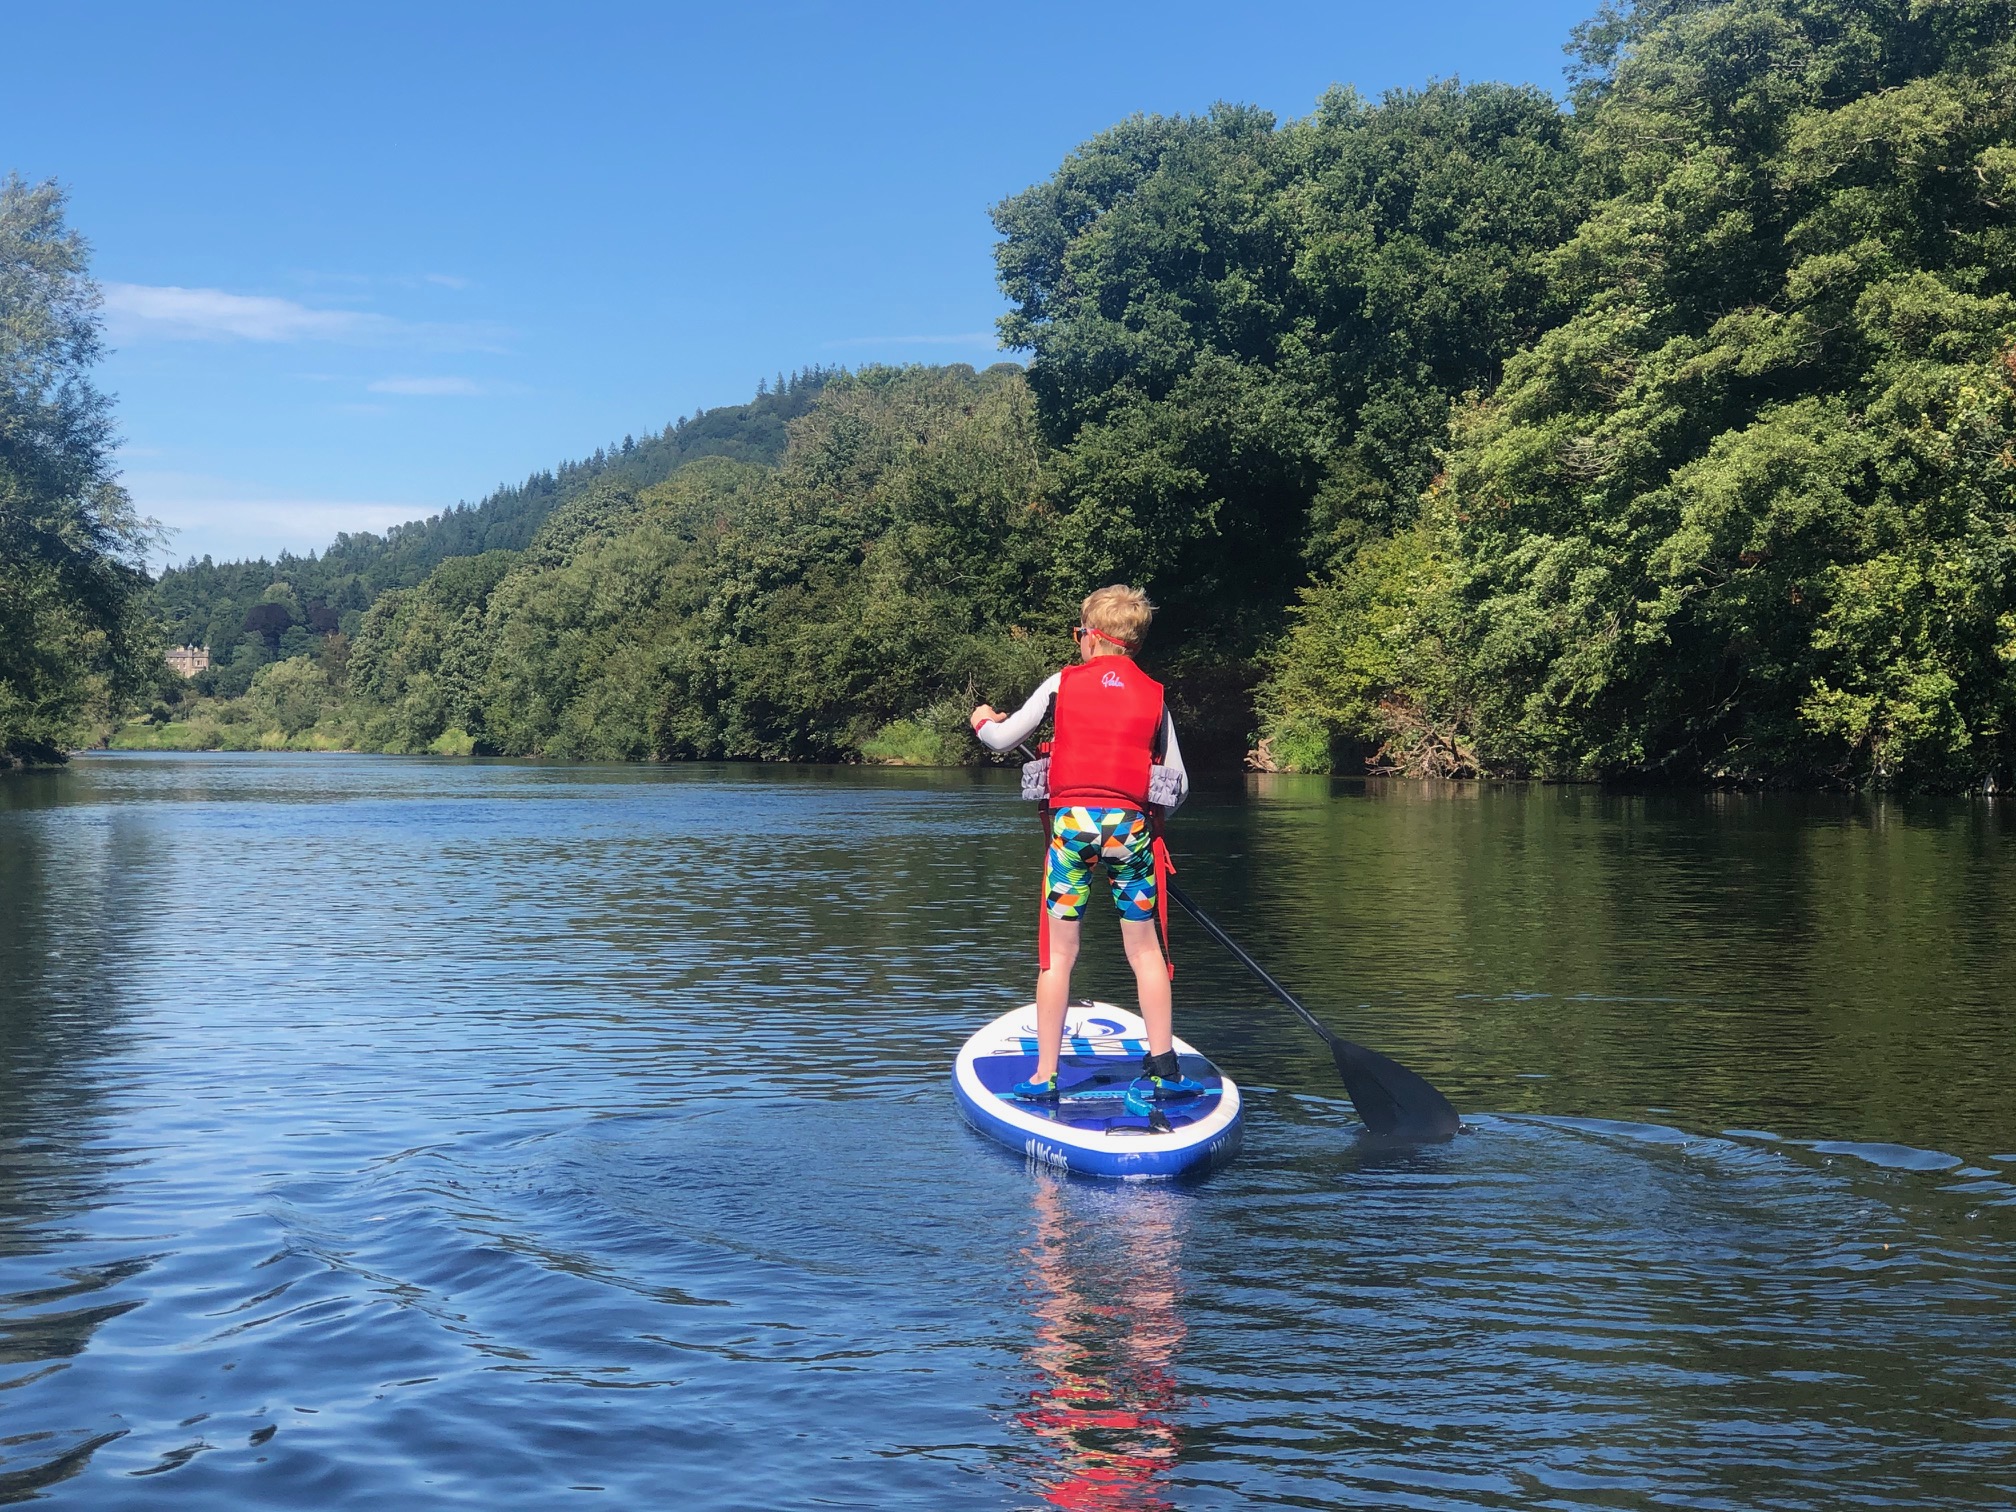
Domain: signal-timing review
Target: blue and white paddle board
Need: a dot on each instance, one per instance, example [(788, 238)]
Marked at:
[(1088, 1128)]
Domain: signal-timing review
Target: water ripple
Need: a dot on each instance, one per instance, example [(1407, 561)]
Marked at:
[(448, 1133)]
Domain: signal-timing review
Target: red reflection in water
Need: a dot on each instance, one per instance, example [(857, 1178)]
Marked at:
[(1107, 1334)]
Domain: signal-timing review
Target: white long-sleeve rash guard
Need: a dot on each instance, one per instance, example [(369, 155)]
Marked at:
[(1023, 723)]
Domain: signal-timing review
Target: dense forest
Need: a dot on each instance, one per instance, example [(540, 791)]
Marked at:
[(1665, 433), (250, 613)]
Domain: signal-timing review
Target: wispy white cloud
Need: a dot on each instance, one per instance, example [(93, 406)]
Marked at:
[(462, 386), (227, 518), (960, 338), (168, 312), (213, 315), (446, 280)]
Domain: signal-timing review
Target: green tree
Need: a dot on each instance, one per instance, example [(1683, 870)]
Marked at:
[(1247, 341), (75, 649), (290, 696), (1369, 666), (1748, 511), (1247, 338)]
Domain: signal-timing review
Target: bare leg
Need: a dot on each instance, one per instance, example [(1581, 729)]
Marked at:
[(1053, 995), (1151, 979)]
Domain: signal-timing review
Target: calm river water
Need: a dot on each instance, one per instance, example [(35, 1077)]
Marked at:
[(407, 1134)]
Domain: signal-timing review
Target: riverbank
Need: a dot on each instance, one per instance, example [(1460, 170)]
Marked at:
[(904, 746), (211, 735)]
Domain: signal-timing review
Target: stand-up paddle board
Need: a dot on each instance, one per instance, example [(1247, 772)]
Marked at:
[(1089, 1127)]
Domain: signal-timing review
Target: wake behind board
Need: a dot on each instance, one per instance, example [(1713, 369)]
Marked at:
[(1088, 1128)]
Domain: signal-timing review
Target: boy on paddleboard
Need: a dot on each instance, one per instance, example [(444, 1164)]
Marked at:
[(1112, 729)]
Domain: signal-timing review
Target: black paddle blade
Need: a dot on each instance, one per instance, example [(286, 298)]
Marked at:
[(1392, 1100)]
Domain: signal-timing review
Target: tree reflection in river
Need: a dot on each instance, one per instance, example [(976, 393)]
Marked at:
[(69, 945), (1104, 1280)]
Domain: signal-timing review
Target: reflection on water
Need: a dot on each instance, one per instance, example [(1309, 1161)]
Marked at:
[(1104, 1288), (385, 1133), (65, 955), (1808, 964)]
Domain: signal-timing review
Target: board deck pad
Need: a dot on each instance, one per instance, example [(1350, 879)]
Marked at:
[(1089, 1128)]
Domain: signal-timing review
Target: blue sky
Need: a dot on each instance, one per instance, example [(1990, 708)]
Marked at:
[(363, 260)]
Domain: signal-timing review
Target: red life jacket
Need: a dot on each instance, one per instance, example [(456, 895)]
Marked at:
[(1108, 722), (1108, 730)]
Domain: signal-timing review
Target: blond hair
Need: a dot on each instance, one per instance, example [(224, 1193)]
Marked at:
[(1119, 611)]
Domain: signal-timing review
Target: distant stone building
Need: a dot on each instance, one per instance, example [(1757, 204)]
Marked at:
[(188, 660)]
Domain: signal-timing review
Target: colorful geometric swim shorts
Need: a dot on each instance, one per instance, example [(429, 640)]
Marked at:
[(1118, 838)]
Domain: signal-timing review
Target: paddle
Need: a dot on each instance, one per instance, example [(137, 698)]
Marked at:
[(1393, 1101)]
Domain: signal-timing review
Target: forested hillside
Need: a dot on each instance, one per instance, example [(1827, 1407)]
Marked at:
[(1665, 435), (734, 610), (236, 608)]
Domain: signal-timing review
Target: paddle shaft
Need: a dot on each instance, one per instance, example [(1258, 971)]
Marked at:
[(1391, 1099), (1210, 927)]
